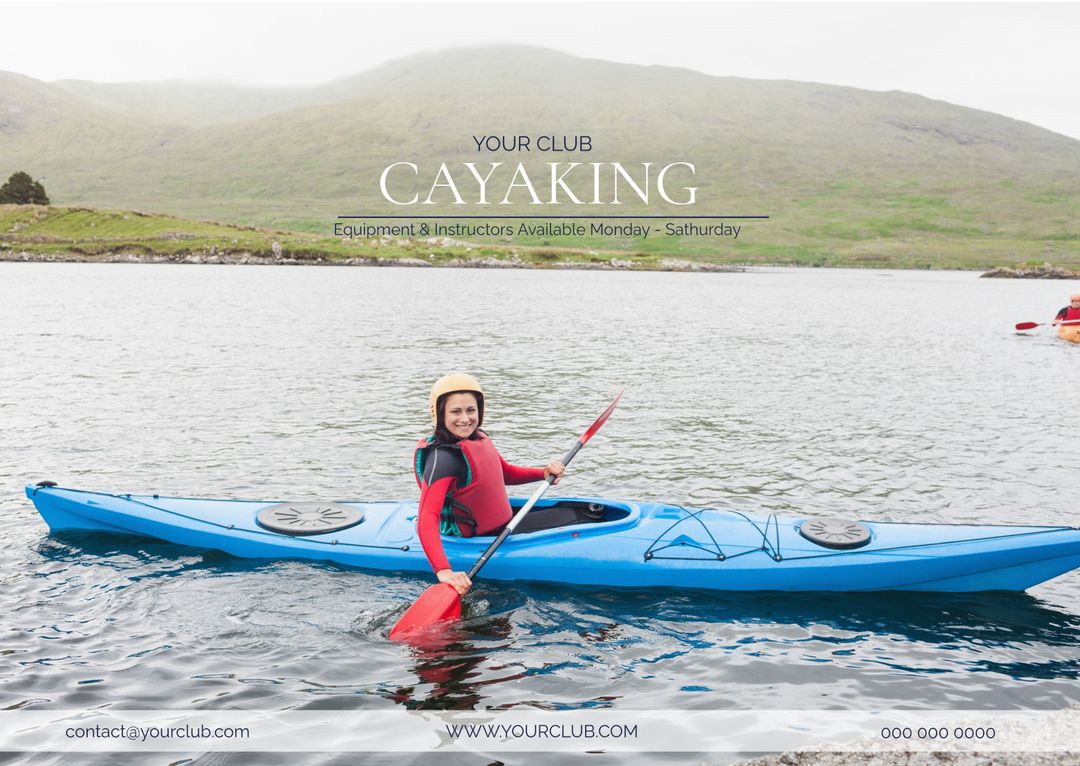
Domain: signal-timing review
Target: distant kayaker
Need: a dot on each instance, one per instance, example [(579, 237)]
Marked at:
[(462, 476), (1070, 313)]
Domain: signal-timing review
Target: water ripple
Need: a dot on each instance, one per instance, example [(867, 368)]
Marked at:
[(824, 393)]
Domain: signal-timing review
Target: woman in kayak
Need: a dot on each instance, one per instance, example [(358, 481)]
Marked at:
[(462, 476), (1070, 313)]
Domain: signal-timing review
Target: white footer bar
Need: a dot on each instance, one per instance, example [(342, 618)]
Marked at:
[(540, 731)]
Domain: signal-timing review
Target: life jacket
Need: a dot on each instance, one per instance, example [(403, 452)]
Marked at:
[(1071, 314), (479, 505)]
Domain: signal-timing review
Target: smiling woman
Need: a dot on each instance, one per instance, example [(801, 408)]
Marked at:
[(462, 476)]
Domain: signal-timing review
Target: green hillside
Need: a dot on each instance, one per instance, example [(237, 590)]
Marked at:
[(39, 233), (846, 175)]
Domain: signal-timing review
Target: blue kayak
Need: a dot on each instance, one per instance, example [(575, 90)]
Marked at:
[(613, 543)]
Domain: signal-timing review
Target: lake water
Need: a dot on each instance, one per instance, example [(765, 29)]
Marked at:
[(878, 395)]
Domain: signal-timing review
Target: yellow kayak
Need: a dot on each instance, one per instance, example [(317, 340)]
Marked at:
[(1070, 333)]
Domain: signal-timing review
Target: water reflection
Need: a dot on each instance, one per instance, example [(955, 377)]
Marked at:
[(448, 664)]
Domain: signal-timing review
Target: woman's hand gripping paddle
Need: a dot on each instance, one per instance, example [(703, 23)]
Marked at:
[(442, 601)]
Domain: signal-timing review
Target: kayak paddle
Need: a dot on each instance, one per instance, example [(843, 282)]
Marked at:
[(1033, 325), (442, 601)]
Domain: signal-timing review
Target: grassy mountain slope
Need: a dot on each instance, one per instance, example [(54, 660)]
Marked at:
[(843, 172)]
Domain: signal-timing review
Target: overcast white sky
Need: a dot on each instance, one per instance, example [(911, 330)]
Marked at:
[(1021, 60)]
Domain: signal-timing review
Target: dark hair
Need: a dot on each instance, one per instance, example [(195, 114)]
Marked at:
[(443, 436)]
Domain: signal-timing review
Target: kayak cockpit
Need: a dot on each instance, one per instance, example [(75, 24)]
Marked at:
[(557, 515)]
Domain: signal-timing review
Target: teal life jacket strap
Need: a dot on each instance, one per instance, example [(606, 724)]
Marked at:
[(452, 516), (447, 521)]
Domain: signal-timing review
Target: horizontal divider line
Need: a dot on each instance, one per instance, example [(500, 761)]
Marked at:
[(564, 217)]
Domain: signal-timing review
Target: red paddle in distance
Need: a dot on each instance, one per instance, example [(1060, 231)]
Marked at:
[(442, 601), (1033, 325)]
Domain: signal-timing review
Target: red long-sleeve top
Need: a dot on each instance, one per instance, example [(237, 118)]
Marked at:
[(433, 497)]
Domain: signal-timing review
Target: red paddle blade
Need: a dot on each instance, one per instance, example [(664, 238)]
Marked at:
[(439, 602), (601, 420), (1027, 325)]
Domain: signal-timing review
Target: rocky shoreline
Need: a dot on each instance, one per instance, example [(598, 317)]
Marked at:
[(906, 758), (278, 256), (1049, 736), (1046, 271), (246, 258)]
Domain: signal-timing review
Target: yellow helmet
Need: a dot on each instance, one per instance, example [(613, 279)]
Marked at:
[(452, 383)]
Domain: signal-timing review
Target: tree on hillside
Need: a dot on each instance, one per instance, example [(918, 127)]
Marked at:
[(21, 189)]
